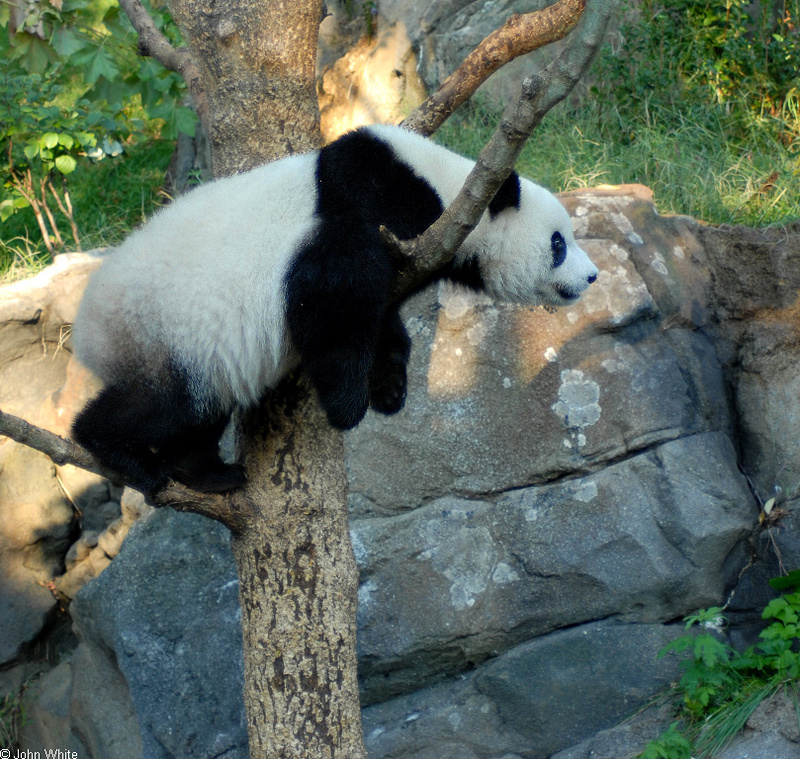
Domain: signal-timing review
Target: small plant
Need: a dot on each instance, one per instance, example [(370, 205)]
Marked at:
[(671, 745), (11, 718), (720, 688), (73, 91), (41, 143)]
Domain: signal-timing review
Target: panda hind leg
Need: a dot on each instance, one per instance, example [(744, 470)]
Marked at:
[(116, 428), (387, 379), (193, 458), (149, 436)]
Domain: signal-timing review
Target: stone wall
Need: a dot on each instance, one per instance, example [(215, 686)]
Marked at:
[(559, 492)]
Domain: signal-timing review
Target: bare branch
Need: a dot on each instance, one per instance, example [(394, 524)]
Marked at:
[(154, 44), (521, 34), (230, 510), (438, 244), (61, 451)]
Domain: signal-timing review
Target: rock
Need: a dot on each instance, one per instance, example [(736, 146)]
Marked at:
[(93, 551), (530, 701), (374, 82), (83, 706), (626, 740), (166, 611), (757, 278), (546, 557), (537, 687), (448, 721), (593, 383), (772, 731), (39, 382)]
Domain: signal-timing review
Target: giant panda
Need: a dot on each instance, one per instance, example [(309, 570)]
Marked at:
[(222, 293)]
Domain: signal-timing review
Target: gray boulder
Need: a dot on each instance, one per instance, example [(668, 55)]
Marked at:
[(158, 673), (542, 558)]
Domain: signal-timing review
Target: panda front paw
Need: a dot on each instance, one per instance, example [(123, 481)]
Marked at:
[(387, 390)]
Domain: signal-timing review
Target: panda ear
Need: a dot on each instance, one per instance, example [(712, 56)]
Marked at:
[(507, 196)]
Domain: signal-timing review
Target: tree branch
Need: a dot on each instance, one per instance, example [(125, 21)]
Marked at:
[(154, 44), (430, 251), (230, 510), (521, 34)]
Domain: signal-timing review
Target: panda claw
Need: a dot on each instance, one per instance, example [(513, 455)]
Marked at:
[(388, 395)]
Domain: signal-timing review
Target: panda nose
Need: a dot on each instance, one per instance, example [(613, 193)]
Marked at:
[(592, 278)]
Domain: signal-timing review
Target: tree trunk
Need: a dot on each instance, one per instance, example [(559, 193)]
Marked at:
[(298, 580), (298, 585), (256, 63)]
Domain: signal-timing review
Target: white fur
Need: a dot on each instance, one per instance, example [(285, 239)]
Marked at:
[(203, 281), (514, 248)]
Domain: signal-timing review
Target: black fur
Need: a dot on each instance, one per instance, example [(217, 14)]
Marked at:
[(353, 347), (149, 433), (559, 249), (507, 196), (467, 273)]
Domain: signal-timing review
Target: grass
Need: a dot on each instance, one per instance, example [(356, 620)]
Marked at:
[(698, 160), (110, 198)]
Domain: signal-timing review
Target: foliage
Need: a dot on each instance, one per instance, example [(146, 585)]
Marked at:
[(41, 143), (95, 45), (74, 92), (720, 687), (713, 130), (11, 718), (671, 745)]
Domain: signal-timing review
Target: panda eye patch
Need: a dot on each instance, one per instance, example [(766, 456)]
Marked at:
[(559, 249)]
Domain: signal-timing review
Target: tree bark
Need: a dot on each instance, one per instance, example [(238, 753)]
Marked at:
[(250, 68), (521, 34), (298, 585)]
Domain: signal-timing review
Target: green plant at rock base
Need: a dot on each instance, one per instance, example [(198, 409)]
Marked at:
[(11, 718), (720, 687), (671, 745)]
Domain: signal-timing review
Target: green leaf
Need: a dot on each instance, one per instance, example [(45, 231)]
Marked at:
[(66, 164), (185, 120), (66, 42), (86, 139), (779, 608), (48, 140), (7, 209), (67, 140), (33, 53), (792, 580), (31, 150), (102, 63)]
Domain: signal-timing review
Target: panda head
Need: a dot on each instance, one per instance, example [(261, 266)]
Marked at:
[(526, 249)]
